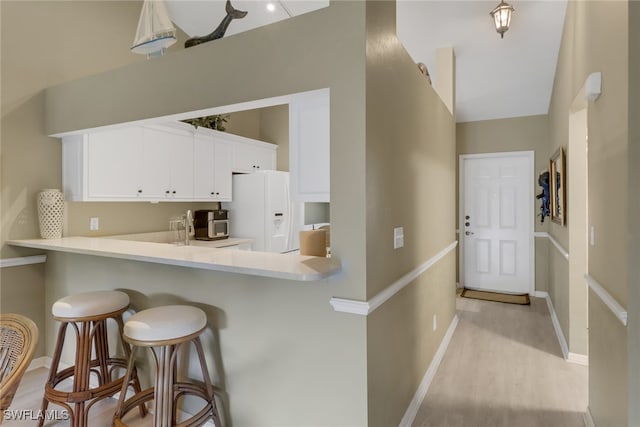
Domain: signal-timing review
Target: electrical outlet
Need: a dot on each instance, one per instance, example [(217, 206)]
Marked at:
[(435, 322), (398, 237), (94, 223), (592, 236)]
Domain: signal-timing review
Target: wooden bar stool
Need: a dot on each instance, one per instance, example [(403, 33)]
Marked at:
[(165, 330), (88, 313)]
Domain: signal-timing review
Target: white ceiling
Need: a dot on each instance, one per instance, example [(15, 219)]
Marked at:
[(495, 78)]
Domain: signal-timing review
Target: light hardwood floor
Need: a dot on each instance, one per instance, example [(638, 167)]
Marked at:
[(26, 406), (504, 367)]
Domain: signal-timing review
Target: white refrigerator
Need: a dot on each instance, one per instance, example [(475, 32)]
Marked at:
[(262, 210)]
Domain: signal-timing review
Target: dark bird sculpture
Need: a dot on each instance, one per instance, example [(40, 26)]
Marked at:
[(232, 14)]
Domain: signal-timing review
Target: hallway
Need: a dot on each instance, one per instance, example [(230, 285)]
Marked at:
[(504, 367)]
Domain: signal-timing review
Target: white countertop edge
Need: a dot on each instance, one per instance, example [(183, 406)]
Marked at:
[(66, 245)]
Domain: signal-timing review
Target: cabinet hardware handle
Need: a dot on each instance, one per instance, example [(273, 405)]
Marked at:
[(139, 191), (174, 192)]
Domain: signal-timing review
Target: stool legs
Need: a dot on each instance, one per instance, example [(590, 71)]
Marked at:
[(167, 390), (90, 335)]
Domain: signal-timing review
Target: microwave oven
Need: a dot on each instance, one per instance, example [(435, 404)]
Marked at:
[(211, 224)]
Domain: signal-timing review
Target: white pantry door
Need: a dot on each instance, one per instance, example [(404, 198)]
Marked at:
[(496, 228)]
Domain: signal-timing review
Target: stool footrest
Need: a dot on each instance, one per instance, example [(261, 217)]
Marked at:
[(180, 389)]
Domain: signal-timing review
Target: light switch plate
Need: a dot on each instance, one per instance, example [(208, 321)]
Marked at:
[(398, 237), (94, 223)]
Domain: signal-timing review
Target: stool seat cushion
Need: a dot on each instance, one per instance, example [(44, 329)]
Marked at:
[(165, 323), (89, 304)]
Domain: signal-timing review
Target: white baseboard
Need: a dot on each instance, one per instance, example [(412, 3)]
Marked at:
[(421, 392), (588, 419), (578, 359), (39, 362), (556, 326)]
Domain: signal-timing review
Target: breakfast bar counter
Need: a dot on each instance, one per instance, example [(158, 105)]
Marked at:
[(265, 264)]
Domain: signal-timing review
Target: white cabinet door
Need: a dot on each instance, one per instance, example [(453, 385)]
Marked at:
[(248, 157), (212, 169), (309, 145), (222, 171), (167, 166), (113, 164)]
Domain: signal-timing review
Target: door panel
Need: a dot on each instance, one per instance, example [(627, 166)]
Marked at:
[(498, 223)]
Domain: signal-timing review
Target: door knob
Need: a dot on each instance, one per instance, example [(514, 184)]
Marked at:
[(468, 233)]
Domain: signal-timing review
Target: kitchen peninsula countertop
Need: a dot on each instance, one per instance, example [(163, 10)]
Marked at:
[(281, 266)]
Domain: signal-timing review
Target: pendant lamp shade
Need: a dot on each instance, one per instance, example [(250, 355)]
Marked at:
[(502, 17), (155, 29)]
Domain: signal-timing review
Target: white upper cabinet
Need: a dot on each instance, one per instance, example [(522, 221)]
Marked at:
[(309, 145), (212, 168), (158, 163), (167, 166), (251, 156), (114, 162)]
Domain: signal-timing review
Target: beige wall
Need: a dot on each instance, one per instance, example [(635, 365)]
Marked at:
[(32, 161), (529, 133), (595, 38), (410, 145), (633, 254)]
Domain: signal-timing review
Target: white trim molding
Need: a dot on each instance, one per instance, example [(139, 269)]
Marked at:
[(25, 260), (588, 418), (364, 308), (557, 244), (577, 358), (423, 388), (607, 299), (559, 247), (39, 362), (556, 326)]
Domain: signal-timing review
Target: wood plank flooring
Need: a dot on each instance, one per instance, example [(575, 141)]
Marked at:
[(504, 367)]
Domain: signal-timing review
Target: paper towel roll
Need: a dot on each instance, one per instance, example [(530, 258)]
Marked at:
[(313, 242)]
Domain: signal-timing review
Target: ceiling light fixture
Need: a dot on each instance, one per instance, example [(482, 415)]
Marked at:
[(271, 7), (502, 17), (155, 30)]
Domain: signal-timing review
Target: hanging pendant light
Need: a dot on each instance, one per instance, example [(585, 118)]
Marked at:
[(502, 17), (155, 29)]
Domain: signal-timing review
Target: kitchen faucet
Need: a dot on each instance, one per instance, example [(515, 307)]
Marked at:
[(188, 227)]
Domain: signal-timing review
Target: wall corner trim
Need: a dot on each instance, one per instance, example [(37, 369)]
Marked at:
[(363, 308), (25, 260), (607, 299), (421, 392)]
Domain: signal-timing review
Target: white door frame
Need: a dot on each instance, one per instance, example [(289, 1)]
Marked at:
[(530, 155)]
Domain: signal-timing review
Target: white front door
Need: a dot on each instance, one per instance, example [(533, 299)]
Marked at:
[(496, 224)]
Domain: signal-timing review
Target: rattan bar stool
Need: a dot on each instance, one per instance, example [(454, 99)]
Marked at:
[(88, 313), (165, 330)]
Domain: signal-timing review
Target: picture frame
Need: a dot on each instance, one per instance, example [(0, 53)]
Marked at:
[(558, 187)]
